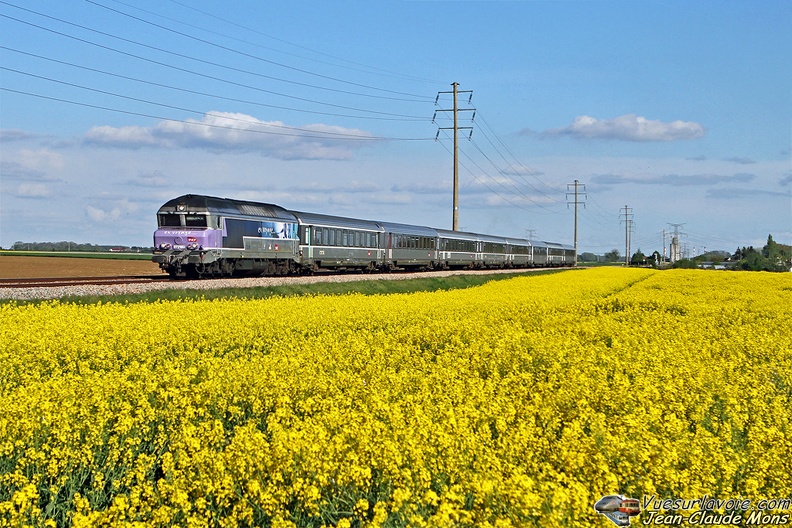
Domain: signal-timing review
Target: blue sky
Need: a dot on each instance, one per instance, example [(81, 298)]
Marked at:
[(680, 110)]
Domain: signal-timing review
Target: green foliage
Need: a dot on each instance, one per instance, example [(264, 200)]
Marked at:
[(685, 264), (67, 246), (638, 258), (772, 257)]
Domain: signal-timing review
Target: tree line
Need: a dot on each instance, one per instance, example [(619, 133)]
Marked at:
[(772, 257), (73, 246)]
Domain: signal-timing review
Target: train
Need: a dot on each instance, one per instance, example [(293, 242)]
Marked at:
[(201, 236)]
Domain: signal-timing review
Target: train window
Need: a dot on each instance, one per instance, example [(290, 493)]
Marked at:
[(169, 220), (317, 236), (344, 237), (330, 237), (357, 239), (195, 220)]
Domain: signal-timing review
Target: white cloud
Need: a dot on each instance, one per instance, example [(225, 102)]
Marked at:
[(42, 159), (15, 134), (32, 190), (740, 161), (676, 180), (118, 210), (629, 127), (150, 180), (225, 132), (438, 187), (124, 137)]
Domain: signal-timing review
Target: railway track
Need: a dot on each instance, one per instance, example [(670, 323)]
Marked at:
[(80, 281)]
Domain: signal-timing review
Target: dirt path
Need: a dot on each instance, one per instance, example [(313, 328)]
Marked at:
[(17, 267)]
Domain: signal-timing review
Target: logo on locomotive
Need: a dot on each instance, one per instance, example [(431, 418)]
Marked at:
[(277, 230)]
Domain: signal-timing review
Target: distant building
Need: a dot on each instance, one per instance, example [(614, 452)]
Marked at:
[(676, 253)]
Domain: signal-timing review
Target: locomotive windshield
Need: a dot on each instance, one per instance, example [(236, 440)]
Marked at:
[(182, 220), (169, 220), (195, 220)]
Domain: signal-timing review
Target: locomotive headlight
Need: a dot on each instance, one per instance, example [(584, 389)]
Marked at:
[(192, 246), (164, 246)]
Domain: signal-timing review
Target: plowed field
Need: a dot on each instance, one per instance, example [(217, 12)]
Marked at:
[(18, 267)]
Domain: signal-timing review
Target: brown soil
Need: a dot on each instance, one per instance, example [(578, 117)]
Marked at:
[(18, 267)]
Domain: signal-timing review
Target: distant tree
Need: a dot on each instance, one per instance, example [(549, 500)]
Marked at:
[(685, 264), (638, 258), (588, 257), (772, 251), (656, 259), (772, 257), (613, 256)]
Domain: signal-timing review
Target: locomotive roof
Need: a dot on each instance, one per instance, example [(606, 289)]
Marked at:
[(212, 204)]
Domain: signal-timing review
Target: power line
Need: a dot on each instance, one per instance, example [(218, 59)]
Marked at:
[(206, 94), (185, 70), (368, 68), (274, 63), (209, 125), (172, 107), (482, 182), (530, 172)]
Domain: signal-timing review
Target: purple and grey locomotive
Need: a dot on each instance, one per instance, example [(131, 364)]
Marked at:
[(207, 236)]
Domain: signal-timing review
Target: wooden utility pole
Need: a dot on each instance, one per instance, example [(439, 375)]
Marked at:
[(628, 225), (576, 202), (456, 128), (455, 221)]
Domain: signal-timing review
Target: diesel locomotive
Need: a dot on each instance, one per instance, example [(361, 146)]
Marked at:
[(205, 236)]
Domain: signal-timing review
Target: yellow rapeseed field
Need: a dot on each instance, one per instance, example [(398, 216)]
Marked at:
[(518, 403)]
